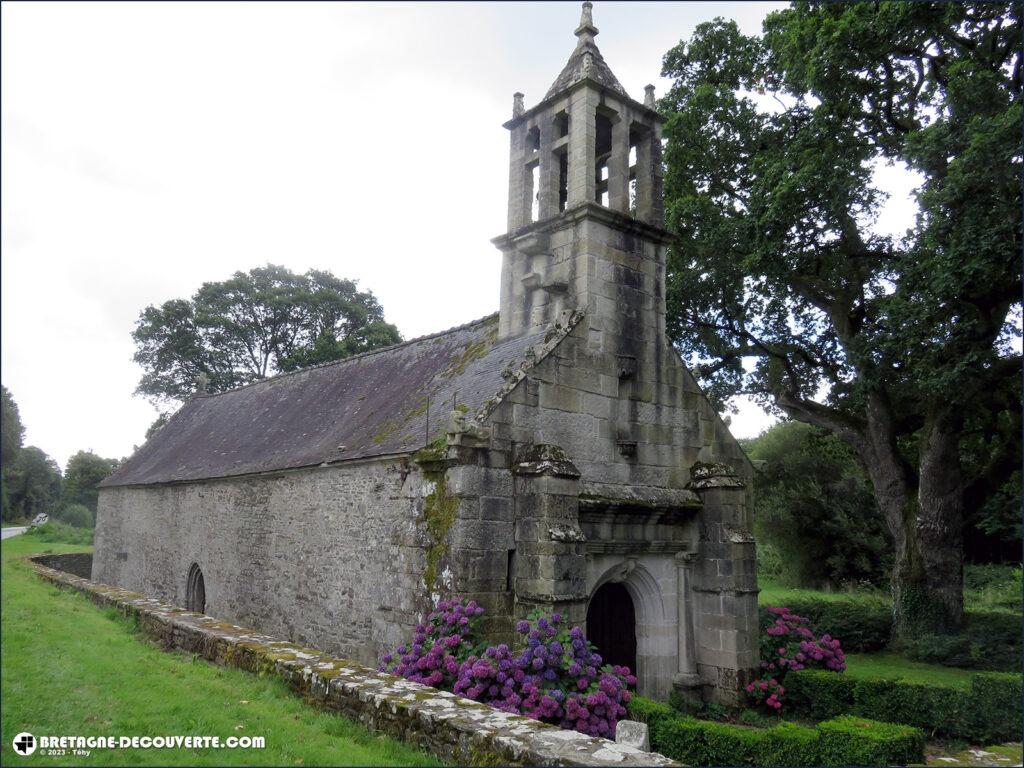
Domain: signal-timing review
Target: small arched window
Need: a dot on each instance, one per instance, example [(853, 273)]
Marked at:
[(195, 592)]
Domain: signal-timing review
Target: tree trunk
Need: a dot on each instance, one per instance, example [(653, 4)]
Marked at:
[(924, 519), (940, 517)]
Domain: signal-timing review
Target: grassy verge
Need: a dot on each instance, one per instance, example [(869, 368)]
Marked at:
[(70, 668)]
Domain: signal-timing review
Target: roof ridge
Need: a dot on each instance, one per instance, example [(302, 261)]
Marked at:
[(360, 356)]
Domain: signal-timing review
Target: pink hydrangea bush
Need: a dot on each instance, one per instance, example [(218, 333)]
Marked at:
[(556, 677), (789, 643)]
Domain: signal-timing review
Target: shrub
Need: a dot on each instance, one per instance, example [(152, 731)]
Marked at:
[(864, 622), (990, 710), (995, 707), (990, 640), (788, 644), (54, 532), (557, 678), (649, 711), (846, 741), (994, 586), (789, 744), (76, 515), (850, 740)]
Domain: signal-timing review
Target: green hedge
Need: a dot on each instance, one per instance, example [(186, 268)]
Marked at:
[(990, 640), (850, 740), (989, 711), (861, 624), (842, 741)]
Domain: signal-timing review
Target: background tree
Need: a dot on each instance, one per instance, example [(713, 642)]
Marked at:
[(251, 326), (33, 484), (11, 429), (158, 424), (816, 507), (84, 472), (12, 434), (778, 286)]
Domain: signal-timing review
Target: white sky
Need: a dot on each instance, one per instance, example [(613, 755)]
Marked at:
[(149, 147)]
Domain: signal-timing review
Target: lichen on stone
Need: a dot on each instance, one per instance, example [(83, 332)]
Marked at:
[(440, 509)]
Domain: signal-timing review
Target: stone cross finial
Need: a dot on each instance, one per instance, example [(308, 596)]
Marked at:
[(586, 30), (517, 104), (649, 96)]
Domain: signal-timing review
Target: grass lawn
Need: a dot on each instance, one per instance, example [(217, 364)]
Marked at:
[(892, 666), (773, 593), (70, 668)]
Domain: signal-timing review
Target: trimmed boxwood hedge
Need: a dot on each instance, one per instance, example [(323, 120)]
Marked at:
[(842, 741), (850, 740), (988, 711)]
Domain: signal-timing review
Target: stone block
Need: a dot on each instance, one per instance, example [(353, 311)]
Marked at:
[(496, 508), (633, 734)]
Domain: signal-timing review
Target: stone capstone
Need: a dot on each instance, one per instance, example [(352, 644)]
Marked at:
[(634, 734)]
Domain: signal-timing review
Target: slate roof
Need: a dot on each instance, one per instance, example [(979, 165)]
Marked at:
[(373, 404), (576, 69)]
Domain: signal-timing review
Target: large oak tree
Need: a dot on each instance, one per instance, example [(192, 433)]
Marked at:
[(780, 286)]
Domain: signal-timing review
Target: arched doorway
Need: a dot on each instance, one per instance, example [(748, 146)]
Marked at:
[(611, 625), (195, 593)]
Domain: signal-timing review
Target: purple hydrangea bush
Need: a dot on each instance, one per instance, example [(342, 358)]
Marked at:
[(556, 677), (788, 644)]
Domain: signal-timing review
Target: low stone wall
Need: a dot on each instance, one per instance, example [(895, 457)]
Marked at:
[(75, 563), (455, 729)]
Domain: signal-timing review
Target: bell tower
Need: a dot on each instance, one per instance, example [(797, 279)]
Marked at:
[(585, 207)]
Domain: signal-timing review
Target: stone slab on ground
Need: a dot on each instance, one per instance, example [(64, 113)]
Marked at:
[(455, 729)]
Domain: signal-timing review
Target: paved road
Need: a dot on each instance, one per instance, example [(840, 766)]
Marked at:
[(6, 533)]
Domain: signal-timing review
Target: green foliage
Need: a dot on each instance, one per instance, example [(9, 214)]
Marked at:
[(252, 325), (76, 515), (989, 710), (12, 434), (769, 561), (12, 431), (776, 262), (862, 623), (994, 587), (55, 532), (158, 424), (779, 287), (849, 740), (989, 640), (704, 710), (650, 711), (814, 506), (84, 472), (843, 741), (32, 484)]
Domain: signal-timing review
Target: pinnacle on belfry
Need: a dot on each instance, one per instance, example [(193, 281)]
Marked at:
[(586, 31), (586, 61)]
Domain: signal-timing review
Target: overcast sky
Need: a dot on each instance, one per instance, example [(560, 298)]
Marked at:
[(150, 147)]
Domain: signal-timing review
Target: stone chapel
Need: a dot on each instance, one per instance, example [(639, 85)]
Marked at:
[(554, 455)]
